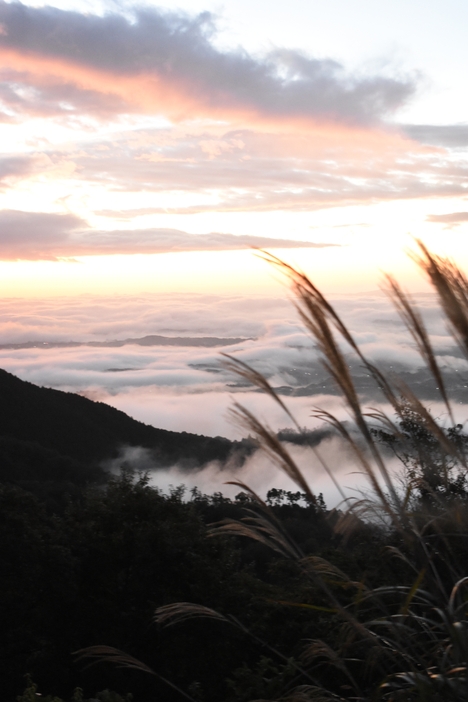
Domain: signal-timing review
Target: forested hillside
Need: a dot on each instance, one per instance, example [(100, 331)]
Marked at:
[(89, 432)]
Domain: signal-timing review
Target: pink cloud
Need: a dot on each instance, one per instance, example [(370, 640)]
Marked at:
[(167, 63), (49, 236)]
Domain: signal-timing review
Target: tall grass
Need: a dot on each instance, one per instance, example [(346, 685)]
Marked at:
[(398, 642)]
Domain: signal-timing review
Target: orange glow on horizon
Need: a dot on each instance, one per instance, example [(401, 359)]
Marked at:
[(216, 272)]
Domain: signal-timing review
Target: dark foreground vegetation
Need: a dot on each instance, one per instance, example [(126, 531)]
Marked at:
[(96, 572), (368, 602)]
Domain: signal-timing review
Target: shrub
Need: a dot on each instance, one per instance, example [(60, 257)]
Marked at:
[(31, 694)]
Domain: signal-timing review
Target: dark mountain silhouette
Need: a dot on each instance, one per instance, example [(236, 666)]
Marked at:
[(41, 426)]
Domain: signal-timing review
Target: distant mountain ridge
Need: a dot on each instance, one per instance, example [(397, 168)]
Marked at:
[(149, 340), (42, 429)]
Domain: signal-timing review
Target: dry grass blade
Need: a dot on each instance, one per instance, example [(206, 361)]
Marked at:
[(382, 418), (178, 612), (453, 595), (398, 553), (339, 426), (316, 648), (248, 373), (97, 654), (429, 423), (382, 383), (412, 592), (415, 325), (243, 370), (108, 654), (310, 295), (259, 529), (318, 315), (182, 611), (246, 488), (310, 693), (270, 444), (319, 649), (273, 524), (452, 288), (315, 312), (387, 425), (349, 522), (328, 570)]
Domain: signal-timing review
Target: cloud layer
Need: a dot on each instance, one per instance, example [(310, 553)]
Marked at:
[(42, 236), (184, 378), (258, 472), (167, 61)]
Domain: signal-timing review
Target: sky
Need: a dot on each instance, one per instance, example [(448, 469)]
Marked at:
[(148, 147)]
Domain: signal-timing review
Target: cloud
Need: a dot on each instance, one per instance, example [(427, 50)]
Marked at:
[(258, 472), (19, 166), (447, 135), (39, 236), (272, 321), (165, 240), (167, 62), (170, 385), (189, 170), (34, 235), (209, 413), (25, 94), (99, 318), (277, 137), (451, 219)]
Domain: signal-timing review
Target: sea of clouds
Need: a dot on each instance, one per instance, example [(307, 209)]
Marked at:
[(186, 388)]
